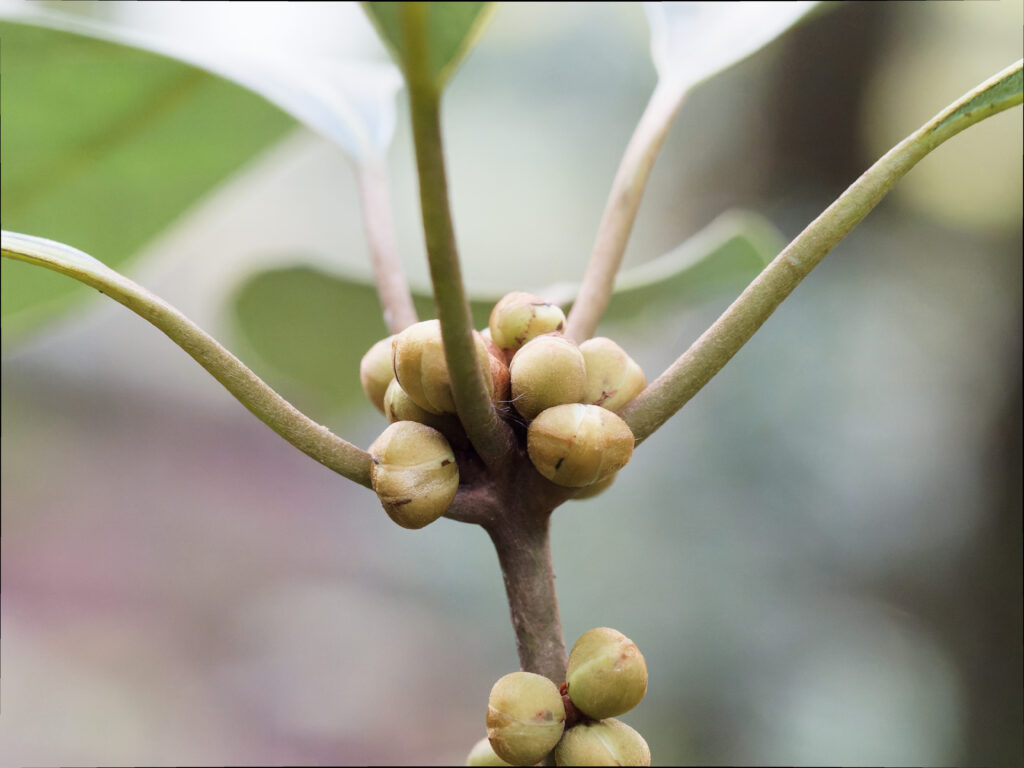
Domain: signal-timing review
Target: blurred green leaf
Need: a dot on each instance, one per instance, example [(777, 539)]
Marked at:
[(728, 252), (731, 251), (311, 328), (105, 145), (451, 30), (150, 134)]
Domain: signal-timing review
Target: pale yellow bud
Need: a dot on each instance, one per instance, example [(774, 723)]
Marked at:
[(413, 473), (613, 377), (421, 368), (607, 742), (548, 370), (519, 317), (607, 674), (376, 372), (525, 717), (577, 445)]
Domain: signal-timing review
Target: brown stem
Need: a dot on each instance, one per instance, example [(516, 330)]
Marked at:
[(524, 553)]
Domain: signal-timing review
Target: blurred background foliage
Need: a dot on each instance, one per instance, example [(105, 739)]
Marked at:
[(820, 556)]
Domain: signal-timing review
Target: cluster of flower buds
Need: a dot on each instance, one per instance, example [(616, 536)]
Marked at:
[(567, 394), (414, 471), (528, 716)]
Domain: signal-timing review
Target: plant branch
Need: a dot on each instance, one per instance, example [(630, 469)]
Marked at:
[(716, 346), (524, 553), (273, 410), (392, 287), (490, 435), (621, 210)]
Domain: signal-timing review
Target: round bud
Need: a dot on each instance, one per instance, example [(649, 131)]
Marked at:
[(519, 317), (607, 674), (482, 753), (398, 406), (376, 372), (613, 378), (607, 742), (525, 717), (577, 445), (421, 368), (413, 473), (547, 371)]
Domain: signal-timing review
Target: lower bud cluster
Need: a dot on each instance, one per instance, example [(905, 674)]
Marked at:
[(527, 715), (566, 393)]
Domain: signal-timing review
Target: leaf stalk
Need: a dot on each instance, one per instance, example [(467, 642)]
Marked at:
[(717, 345), (621, 210)]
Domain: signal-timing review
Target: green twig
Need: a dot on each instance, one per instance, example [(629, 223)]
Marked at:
[(491, 437), (273, 410), (684, 378)]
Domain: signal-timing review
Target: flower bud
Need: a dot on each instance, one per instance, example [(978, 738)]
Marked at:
[(483, 754), (421, 368), (607, 674), (413, 473), (607, 742), (519, 317), (613, 377), (376, 372), (576, 445), (398, 406), (525, 717), (548, 370)]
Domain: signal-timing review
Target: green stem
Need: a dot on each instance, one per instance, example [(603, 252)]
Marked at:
[(392, 287), (273, 410), (684, 378), (621, 210), (490, 435)]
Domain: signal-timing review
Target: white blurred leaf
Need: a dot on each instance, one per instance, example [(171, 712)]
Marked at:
[(348, 100), (692, 41)]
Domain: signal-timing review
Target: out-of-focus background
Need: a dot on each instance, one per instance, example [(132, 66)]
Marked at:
[(820, 556)]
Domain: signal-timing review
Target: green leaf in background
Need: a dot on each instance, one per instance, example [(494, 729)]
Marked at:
[(103, 146), (729, 252), (311, 329), (451, 30), (158, 120)]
